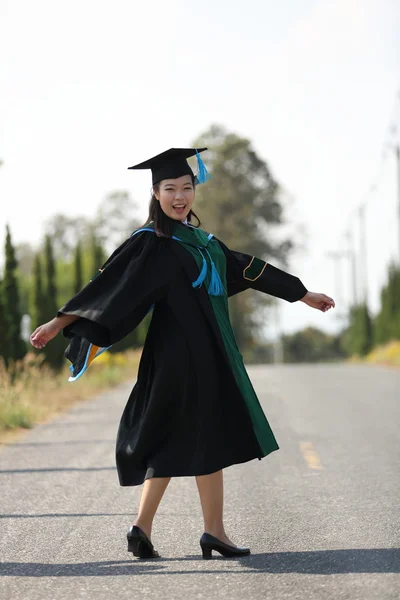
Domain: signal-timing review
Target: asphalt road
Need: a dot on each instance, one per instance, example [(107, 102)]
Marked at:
[(321, 515)]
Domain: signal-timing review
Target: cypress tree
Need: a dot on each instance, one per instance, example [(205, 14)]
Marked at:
[(365, 329), (382, 320), (387, 323), (16, 346), (54, 351), (358, 339), (396, 293), (39, 298), (51, 289), (3, 327), (97, 252), (78, 276), (394, 302)]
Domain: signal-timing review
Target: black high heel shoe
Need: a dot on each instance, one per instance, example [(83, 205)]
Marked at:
[(139, 544), (209, 542)]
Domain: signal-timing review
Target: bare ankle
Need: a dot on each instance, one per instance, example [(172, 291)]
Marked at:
[(146, 527), (217, 531)]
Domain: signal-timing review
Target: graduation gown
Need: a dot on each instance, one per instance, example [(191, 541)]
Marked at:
[(193, 410)]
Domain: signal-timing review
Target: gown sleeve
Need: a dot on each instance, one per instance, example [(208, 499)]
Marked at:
[(244, 271), (117, 299)]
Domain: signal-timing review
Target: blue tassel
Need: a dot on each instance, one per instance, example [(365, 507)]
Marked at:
[(199, 281), (215, 288), (202, 174)]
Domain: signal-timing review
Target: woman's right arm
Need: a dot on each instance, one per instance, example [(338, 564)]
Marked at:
[(48, 331)]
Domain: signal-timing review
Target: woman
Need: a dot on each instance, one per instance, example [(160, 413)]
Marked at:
[(193, 410)]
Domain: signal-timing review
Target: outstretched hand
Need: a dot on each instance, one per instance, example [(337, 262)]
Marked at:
[(44, 333), (319, 301)]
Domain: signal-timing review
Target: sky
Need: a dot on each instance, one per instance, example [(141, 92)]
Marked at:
[(89, 88)]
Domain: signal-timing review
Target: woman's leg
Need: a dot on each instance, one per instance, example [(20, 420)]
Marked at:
[(211, 491), (152, 493)]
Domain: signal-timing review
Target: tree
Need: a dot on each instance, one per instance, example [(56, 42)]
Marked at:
[(97, 254), (115, 219), (3, 326), (54, 352), (25, 254), (65, 232), (78, 275), (311, 345), (16, 348), (242, 205), (357, 340), (39, 297), (387, 322)]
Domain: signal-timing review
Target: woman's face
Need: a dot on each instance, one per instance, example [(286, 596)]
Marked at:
[(176, 197)]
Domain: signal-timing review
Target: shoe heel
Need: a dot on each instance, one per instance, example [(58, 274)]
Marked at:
[(207, 552), (133, 546)]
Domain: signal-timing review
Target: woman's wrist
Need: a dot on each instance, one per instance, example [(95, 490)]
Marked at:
[(62, 320), (305, 297)]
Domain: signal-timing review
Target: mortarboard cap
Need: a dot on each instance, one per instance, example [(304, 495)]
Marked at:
[(172, 164)]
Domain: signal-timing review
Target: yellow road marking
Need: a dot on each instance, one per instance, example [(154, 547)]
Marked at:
[(310, 455)]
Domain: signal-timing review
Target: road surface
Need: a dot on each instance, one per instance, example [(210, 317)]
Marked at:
[(321, 515)]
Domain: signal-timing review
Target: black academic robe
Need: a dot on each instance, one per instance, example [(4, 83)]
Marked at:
[(186, 414)]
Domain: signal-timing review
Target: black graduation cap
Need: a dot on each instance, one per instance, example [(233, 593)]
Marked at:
[(172, 164)]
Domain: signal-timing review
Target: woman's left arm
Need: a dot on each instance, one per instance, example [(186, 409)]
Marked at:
[(244, 271)]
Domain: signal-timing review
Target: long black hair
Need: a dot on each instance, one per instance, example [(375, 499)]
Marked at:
[(163, 225)]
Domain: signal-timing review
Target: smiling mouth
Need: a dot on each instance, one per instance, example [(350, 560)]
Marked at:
[(179, 206)]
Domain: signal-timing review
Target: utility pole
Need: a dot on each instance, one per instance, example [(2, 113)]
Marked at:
[(363, 250), (353, 266), (337, 258), (398, 188)]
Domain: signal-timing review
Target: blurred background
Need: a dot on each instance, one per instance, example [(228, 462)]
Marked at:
[(299, 103)]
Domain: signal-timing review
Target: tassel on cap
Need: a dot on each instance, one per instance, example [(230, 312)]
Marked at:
[(170, 164), (202, 174)]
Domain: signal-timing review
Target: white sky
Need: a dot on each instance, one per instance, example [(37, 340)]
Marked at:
[(89, 88)]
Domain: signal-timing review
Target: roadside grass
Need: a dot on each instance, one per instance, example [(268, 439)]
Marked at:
[(37, 393), (386, 355)]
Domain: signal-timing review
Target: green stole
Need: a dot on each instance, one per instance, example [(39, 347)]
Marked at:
[(194, 239)]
